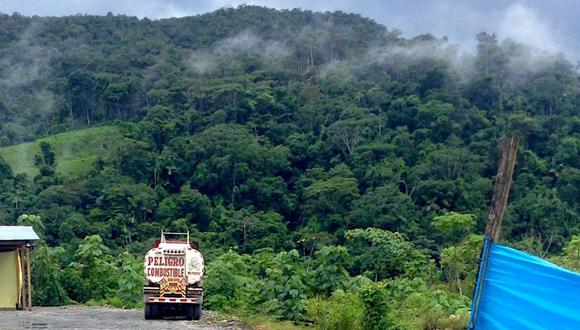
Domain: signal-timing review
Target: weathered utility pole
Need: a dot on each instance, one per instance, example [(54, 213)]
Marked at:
[(503, 183)]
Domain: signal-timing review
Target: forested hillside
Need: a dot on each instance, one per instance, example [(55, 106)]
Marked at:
[(334, 172)]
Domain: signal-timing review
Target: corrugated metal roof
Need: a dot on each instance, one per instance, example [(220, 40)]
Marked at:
[(17, 233)]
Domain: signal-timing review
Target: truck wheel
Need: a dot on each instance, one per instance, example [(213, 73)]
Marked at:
[(188, 311), (193, 311), (148, 315), (156, 311), (196, 311), (151, 311)]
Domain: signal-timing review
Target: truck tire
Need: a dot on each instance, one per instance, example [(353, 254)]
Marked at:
[(148, 315), (156, 311), (151, 311), (197, 312), (193, 311)]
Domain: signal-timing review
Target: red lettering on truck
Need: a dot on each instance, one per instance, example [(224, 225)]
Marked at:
[(165, 272)]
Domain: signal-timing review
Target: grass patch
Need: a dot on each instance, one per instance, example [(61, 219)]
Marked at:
[(258, 322), (75, 151)]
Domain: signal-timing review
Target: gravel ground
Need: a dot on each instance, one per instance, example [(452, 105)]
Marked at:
[(80, 317)]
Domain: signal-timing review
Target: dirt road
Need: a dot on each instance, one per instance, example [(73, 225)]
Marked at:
[(77, 317)]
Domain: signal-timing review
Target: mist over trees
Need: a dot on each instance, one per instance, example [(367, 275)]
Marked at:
[(319, 158)]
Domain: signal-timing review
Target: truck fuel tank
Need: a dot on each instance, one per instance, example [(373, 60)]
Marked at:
[(174, 260)]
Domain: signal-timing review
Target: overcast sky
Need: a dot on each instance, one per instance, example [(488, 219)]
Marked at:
[(551, 25)]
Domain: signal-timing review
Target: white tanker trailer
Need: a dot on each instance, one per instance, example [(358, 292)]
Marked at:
[(174, 273)]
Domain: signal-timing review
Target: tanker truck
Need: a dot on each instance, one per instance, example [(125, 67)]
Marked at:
[(174, 278)]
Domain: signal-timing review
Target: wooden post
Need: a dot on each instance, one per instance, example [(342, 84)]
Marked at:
[(23, 272), (28, 275), (19, 294), (501, 191)]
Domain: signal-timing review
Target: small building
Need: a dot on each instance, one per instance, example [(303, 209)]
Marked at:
[(15, 245)]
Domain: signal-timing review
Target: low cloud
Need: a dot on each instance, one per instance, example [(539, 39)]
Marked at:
[(24, 67), (246, 42), (26, 61), (549, 25), (523, 24)]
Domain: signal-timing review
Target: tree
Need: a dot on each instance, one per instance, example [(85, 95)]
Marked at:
[(347, 135), (490, 58), (454, 225), (130, 283), (93, 266), (47, 154), (48, 275), (250, 230), (385, 207), (225, 157), (188, 204), (571, 257), (387, 254), (326, 201), (330, 272), (460, 263), (159, 125), (375, 306), (135, 160), (85, 91)]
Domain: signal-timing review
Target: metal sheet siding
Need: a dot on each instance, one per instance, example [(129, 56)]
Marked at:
[(17, 233)]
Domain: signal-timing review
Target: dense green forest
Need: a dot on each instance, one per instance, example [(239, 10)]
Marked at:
[(335, 173)]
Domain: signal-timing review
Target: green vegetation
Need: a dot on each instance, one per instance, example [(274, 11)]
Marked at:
[(336, 174), (75, 152)]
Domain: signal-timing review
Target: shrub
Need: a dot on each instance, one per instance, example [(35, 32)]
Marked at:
[(375, 306), (341, 311)]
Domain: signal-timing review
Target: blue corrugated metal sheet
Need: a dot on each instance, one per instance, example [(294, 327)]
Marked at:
[(17, 233), (516, 290)]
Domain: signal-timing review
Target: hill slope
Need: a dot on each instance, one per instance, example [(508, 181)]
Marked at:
[(75, 151), (320, 160)]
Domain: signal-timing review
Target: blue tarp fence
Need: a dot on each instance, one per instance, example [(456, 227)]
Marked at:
[(516, 290)]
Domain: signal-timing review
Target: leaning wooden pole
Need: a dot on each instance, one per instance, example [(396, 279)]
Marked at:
[(503, 183), (501, 191)]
